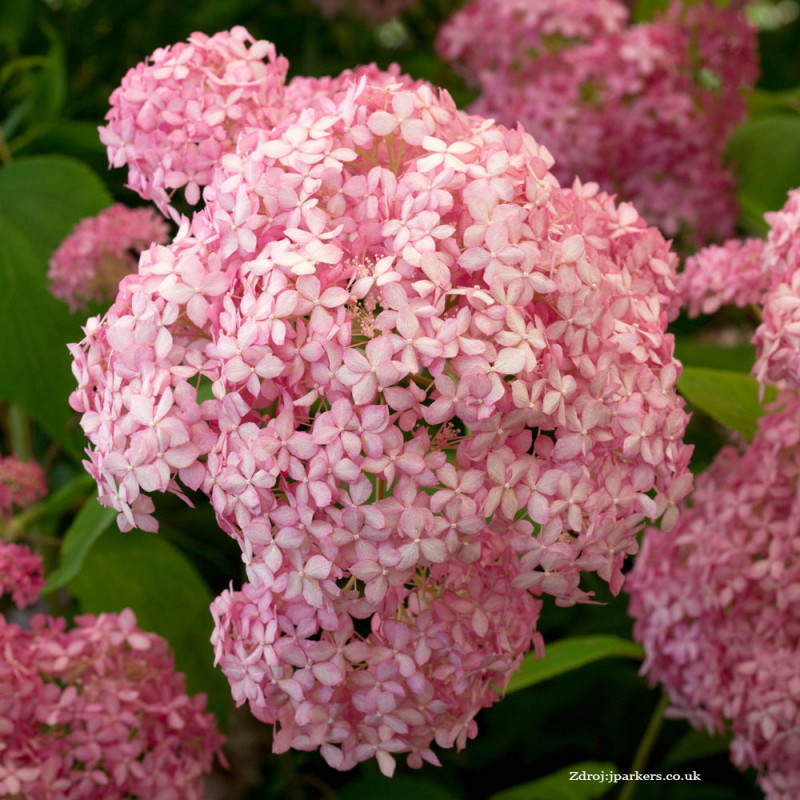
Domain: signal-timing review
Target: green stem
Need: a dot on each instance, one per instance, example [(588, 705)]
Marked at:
[(645, 746), (56, 503), (19, 428)]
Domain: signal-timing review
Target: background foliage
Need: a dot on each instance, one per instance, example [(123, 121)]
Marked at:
[(584, 705)]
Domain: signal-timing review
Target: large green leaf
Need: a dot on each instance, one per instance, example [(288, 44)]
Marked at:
[(583, 781), (15, 21), (41, 199), (766, 157), (569, 654), (696, 745), (73, 138), (735, 359), (762, 103), (400, 787), (731, 398), (144, 572), (87, 527)]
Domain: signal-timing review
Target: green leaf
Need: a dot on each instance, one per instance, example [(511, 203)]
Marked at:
[(52, 80), (73, 138), (730, 398), (144, 572), (569, 654), (762, 103), (36, 92), (766, 157), (563, 785), (62, 499), (694, 746), (15, 21), (400, 787), (41, 200), (87, 527), (735, 359), (646, 10)]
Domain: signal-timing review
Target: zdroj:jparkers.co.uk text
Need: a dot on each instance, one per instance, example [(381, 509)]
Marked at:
[(616, 777)]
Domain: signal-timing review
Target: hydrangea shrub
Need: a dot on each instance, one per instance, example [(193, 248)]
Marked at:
[(422, 384)]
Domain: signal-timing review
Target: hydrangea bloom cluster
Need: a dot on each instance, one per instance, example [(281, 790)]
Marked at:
[(645, 109), (720, 275), (20, 574), (422, 385), (778, 337), (761, 272), (98, 713), (175, 115), (716, 602), (101, 251), (22, 483)]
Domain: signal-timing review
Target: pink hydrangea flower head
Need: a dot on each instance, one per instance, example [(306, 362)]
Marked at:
[(715, 602), (763, 272), (22, 483), (422, 385), (777, 339), (727, 274), (645, 110), (98, 712), (101, 251), (518, 30), (176, 114), (20, 574)]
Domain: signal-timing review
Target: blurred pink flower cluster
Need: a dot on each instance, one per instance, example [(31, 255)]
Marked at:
[(101, 251), (20, 574), (720, 275), (98, 712), (645, 110), (422, 386), (777, 338), (22, 483), (766, 273), (716, 602)]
